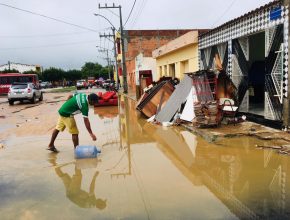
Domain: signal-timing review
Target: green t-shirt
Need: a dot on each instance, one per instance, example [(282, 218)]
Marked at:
[(77, 104)]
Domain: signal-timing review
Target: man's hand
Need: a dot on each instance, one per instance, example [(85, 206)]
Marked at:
[(93, 137)]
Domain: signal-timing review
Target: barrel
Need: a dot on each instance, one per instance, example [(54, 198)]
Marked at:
[(86, 151)]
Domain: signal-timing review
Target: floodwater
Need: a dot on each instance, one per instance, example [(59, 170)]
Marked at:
[(144, 172)]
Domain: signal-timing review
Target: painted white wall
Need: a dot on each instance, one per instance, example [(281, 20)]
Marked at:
[(18, 66), (145, 63)]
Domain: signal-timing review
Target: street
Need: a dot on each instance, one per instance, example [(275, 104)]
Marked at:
[(145, 171)]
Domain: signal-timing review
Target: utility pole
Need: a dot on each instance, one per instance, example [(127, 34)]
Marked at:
[(125, 86), (108, 60), (115, 54), (286, 101)]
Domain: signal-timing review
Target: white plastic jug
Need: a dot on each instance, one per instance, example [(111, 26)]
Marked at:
[(86, 151)]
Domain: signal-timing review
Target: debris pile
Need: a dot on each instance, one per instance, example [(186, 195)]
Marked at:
[(196, 99), (206, 114)]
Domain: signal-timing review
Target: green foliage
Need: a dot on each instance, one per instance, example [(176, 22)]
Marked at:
[(9, 71), (91, 69), (73, 75), (53, 74), (33, 72)]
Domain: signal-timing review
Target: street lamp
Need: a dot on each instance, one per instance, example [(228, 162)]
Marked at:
[(115, 53), (106, 19)]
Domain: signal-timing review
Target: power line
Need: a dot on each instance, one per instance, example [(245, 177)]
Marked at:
[(142, 6), (130, 13), (227, 9), (51, 45), (51, 18), (112, 12), (44, 35)]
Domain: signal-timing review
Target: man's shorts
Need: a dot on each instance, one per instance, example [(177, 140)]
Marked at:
[(67, 122)]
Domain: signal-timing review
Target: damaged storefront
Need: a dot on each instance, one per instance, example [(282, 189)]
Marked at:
[(253, 50)]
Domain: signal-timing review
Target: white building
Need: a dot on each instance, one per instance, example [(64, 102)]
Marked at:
[(20, 67)]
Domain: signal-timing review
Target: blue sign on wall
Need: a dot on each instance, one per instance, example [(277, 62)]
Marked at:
[(276, 13)]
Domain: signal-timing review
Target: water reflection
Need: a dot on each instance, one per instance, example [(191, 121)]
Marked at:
[(252, 183), (73, 183)]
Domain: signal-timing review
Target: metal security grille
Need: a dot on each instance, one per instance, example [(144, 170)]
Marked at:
[(277, 74)]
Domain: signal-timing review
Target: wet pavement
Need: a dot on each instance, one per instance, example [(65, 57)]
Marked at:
[(145, 171)]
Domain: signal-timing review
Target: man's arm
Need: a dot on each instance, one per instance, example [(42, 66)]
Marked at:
[(88, 126), (70, 96)]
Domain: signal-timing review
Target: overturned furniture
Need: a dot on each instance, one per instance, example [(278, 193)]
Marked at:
[(174, 102), (152, 100)]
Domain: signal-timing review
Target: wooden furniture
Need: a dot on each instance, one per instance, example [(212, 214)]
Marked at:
[(150, 101)]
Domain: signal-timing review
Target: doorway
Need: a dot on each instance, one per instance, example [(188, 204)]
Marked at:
[(256, 74)]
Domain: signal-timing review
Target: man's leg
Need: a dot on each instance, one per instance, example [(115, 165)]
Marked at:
[(75, 139), (53, 137)]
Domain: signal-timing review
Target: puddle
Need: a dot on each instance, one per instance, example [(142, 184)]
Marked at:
[(145, 171)]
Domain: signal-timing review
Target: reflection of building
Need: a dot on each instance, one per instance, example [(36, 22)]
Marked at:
[(20, 67), (253, 184), (253, 48), (131, 131), (107, 112)]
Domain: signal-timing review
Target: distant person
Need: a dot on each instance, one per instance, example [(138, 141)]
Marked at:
[(77, 103)]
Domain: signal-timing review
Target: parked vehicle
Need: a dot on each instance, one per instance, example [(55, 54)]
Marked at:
[(45, 85), (91, 81), (6, 80), (108, 84), (82, 84), (24, 91)]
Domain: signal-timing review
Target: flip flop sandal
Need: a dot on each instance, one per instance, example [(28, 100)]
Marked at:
[(52, 149)]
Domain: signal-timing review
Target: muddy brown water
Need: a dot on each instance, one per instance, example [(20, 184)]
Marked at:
[(144, 172)]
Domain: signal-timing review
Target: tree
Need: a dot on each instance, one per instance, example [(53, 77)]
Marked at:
[(73, 75), (53, 74), (91, 69), (9, 71), (33, 72), (104, 73)]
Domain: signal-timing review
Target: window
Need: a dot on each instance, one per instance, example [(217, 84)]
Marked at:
[(3, 80)]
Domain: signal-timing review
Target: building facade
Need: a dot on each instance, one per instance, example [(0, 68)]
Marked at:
[(178, 56), (253, 50), (142, 41), (20, 67)]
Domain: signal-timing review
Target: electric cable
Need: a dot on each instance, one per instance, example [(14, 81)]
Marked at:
[(51, 45), (227, 9), (44, 35), (48, 17), (142, 6), (130, 13)]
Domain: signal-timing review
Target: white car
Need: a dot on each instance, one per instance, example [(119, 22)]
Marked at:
[(24, 91), (82, 84)]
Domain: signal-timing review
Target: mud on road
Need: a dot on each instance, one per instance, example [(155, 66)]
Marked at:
[(25, 119)]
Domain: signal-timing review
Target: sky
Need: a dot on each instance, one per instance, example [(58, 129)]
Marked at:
[(67, 32)]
